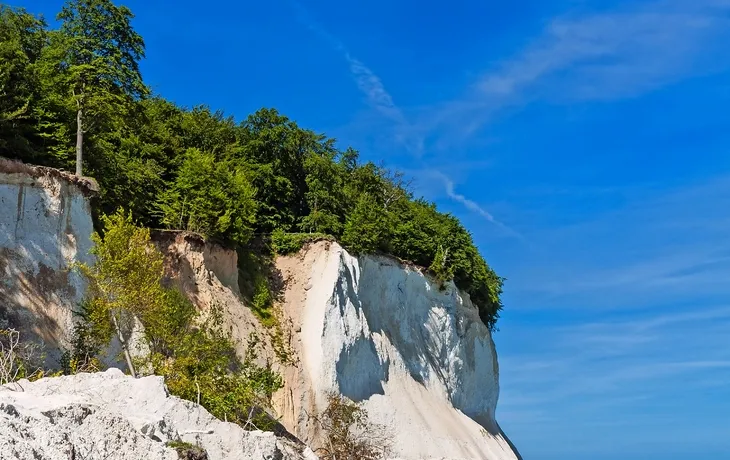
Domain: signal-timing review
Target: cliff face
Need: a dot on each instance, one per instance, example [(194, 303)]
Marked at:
[(382, 333), (371, 329), (45, 225)]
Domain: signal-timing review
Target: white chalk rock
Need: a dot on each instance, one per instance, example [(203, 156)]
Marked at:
[(382, 333), (113, 416)]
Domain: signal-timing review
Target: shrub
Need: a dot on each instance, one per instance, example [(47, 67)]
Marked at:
[(188, 451), (201, 365), (18, 360), (284, 243), (348, 434)]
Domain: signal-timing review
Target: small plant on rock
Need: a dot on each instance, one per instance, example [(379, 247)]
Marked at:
[(188, 451), (17, 359), (348, 434)]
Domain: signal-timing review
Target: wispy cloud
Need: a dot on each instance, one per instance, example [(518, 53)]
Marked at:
[(372, 87), (469, 204), (616, 54), (658, 246), (369, 84), (473, 206), (595, 56), (627, 314), (628, 363)]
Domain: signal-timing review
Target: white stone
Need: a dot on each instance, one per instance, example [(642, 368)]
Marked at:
[(113, 416)]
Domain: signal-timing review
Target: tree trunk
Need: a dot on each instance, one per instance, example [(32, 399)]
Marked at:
[(125, 346), (79, 141)]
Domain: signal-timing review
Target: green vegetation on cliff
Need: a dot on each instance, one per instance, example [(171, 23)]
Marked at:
[(78, 89), (189, 348)]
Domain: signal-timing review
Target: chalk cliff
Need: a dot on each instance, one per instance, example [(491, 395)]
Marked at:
[(45, 226), (372, 328), (382, 333)]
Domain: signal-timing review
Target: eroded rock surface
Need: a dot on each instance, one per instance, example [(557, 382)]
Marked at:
[(45, 228), (112, 416), (383, 333)]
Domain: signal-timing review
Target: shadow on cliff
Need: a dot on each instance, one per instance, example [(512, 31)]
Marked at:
[(32, 303), (360, 371)]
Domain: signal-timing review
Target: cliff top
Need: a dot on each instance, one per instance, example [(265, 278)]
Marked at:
[(87, 185)]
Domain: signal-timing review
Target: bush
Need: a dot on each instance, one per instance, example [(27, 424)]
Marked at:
[(18, 360), (348, 434), (201, 365), (262, 301), (188, 451), (284, 243)]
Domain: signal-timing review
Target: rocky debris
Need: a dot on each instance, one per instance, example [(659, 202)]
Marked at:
[(112, 416)]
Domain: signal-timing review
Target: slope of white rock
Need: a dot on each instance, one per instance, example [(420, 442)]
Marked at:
[(382, 333), (111, 416), (45, 227)]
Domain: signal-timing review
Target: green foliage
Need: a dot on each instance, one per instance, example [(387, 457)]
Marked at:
[(366, 228), (22, 37), (441, 266), (210, 197), (188, 451), (262, 302), (201, 170), (284, 243), (91, 68), (193, 352), (201, 365), (102, 50)]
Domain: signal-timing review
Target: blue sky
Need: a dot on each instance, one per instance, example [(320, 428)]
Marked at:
[(584, 143)]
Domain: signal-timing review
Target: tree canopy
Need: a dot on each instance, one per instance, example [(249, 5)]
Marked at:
[(199, 169)]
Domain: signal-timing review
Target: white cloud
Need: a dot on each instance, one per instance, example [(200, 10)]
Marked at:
[(651, 247), (372, 87), (598, 56), (616, 54), (469, 204)]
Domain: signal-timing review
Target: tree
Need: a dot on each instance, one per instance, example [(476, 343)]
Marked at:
[(325, 179), (125, 280), (22, 37), (214, 198), (366, 228), (194, 352), (95, 56)]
